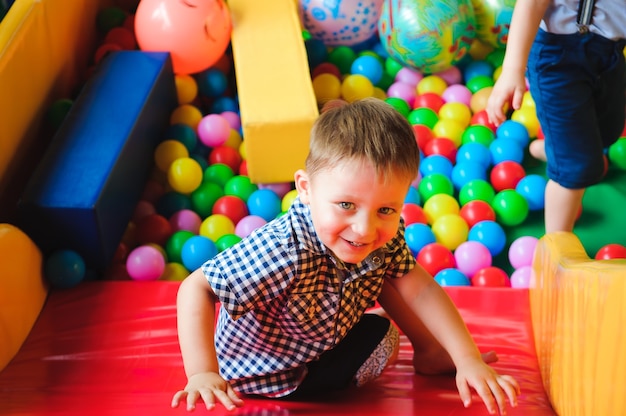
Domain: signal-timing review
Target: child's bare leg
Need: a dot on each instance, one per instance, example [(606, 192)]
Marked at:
[(561, 207), (537, 149), (429, 356)]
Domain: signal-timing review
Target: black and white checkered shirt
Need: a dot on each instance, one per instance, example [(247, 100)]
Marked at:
[(285, 299)]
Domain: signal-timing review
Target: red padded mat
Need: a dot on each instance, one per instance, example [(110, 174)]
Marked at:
[(110, 348)]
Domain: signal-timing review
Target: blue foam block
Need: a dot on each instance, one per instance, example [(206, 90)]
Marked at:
[(83, 193)]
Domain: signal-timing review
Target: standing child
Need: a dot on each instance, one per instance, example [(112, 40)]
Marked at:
[(293, 295), (577, 78)]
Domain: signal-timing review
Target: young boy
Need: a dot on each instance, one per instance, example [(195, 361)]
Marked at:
[(577, 78), (293, 295)]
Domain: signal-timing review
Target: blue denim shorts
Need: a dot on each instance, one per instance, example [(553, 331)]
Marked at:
[(578, 83)]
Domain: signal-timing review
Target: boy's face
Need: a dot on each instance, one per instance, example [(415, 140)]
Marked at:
[(354, 212)]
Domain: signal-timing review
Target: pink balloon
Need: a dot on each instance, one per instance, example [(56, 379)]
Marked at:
[(145, 263), (472, 256), (195, 32)]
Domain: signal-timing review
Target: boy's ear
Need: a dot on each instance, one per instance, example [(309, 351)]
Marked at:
[(303, 185)]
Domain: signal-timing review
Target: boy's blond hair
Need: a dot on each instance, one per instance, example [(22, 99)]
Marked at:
[(368, 130)]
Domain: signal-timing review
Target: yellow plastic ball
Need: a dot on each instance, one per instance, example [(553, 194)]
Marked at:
[(184, 175), (450, 230), (174, 272), (449, 129), (479, 50), (186, 114), (168, 151), (439, 205), (326, 87), (380, 93), (234, 139), (356, 87), (528, 117), (288, 199), (432, 83), (215, 226), (456, 111), (186, 88), (528, 101)]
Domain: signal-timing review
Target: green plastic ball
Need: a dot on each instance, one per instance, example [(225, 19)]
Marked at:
[(511, 208), (476, 189), (433, 184)]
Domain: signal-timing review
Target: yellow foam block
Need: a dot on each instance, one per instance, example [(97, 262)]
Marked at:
[(45, 48), (578, 308), (22, 290), (276, 98)]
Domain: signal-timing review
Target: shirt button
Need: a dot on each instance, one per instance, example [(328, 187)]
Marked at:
[(377, 260)]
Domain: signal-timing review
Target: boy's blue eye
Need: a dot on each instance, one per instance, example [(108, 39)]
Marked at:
[(346, 205)]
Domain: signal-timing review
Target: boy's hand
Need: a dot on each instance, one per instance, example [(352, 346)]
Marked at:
[(493, 389), (508, 91), (209, 386)]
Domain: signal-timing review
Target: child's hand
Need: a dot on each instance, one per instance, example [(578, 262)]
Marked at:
[(493, 389), (508, 91), (208, 386)]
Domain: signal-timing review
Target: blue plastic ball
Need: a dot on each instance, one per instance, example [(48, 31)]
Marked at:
[(533, 188), (464, 172), (477, 68), (474, 152), (368, 66), (436, 164), (264, 203), (64, 269), (452, 277), (417, 236), (490, 234), (505, 149), (412, 196), (212, 82), (196, 250), (514, 130)]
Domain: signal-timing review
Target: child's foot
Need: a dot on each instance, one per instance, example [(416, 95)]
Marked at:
[(537, 149), (439, 362)]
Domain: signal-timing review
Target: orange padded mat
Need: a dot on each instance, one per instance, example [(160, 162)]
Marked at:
[(110, 348)]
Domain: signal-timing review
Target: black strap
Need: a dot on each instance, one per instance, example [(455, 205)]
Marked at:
[(585, 12)]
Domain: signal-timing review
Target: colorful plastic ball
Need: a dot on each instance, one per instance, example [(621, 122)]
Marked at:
[(479, 82), (227, 156), (186, 114), (533, 188), (233, 118), (174, 245), (450, 230), (457, 93), (503, 149), (168, 151), (326, 87), (400, 104), (196, 251), (347, 22), (513, 130), (288, 199), (491, 277), (183, 133), (325, 68), (402, 90), (356, 87), (212, 82), (478, 134), (412, 196), (412, 213), (471, 256), (240, 186), (474, 152), (451, 130), (522, 250), (476, 68), (510, 207), (435, 164), (223, 103), (442, 146), (452, 277), (174, 272), (279, 188), (456, 111), (64, 269), (213, 130), (506, 175), (475, 211), (186, 88), (611, 251), (409, 76), (521, 277), (617, 153), (216, 225), (155, 229), (248, 224), (231, 206), (316, 51), (490, 234), (264, 203), (433, 184), (227, 241), (464, 172), (196, 36), (185, 219), (423, 115), (476, 189), (423, 134), (203, 198), (434, 257), (439, 205), (145, 263), (417, 236), (479, 99), (481, 118), (369, 66), (528, 117), (184, 175), (342, 57), (430, 100), (171, 202), (218, 173)]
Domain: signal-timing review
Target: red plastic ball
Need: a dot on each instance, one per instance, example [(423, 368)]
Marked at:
[(226, 155), (441, 146), (477, 210), (435, 257), (429, 100), (423, 134), (491, 277), (611, 251), (482, 118), (231, 206), (506, 175), (153, 228), (413, 213)]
